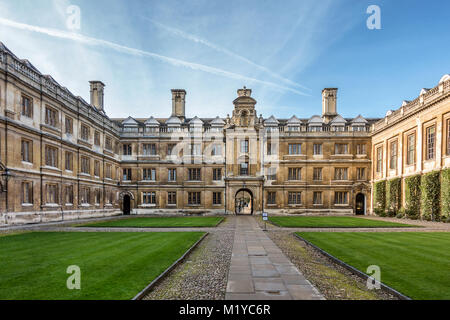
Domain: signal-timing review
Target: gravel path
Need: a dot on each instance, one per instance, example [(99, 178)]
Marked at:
[(203, 275)]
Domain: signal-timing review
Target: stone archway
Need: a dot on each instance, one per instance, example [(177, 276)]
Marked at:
[(360, 204), (244, 202), (126, 199)]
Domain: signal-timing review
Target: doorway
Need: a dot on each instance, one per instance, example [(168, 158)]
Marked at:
[(126, 204), (360, 208), (244, 202)]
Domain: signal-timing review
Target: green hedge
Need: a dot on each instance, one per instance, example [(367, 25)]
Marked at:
[(445, 193), (431, 196), (380, 197), (393, 196), (412, 196)]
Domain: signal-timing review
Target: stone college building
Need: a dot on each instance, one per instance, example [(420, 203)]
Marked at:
[(63, 158)]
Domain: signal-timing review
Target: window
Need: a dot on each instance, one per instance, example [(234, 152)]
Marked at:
[(411, 149), (196, 149), (27, 151), (85, 165), (393, 155), (217, 174), (430, 142), (448, 138), (216, 150), (360, 148), (149, 174), (317, 149), (295, 174), (51, 156), (149, 149), (68, 194), (340, 197), (108, 171), (360, 173), (271, 197), (126, 147), (68, 161), (379, 159), (52, 194), (194, 198), (172, 174), (170, 148), (317, 197), (108, 143), (127, 174), (340, 173), (244, 146), (97, 196), (27, 192), (243, 168), (317, 174), (68, 125), (27, 107), (295, 148), (84, 132), (194, 174), (97, 138), (149, 197), (97, 168), (85, 196), (341, 148), (171, 198), (271, 148), (294, 198), (51, 117), (272, 173), (217, 198)]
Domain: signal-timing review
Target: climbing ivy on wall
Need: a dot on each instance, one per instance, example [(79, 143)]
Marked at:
[(380, 197), (393, 195), (431, 196), (412, 196), (445, 193)]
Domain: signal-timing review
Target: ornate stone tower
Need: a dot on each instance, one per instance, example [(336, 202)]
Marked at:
[(97, 94), (244, 113), (178, 102), (329, 103)]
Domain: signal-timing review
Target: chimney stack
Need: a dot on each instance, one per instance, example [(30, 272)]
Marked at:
[(178, 102), (329, 103), (97, 94)]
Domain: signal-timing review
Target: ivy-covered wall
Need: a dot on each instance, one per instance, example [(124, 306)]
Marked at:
[(431, 196), (412, 196), (393, 195), (445, 193), (379, 197)]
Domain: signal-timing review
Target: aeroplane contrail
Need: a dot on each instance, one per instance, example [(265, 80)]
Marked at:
[(141, 53), (221, 49)]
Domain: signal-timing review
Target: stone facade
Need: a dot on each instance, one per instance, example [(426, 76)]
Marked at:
[(63, 158)]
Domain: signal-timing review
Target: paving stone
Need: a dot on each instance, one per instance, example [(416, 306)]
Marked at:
[(240, 286)]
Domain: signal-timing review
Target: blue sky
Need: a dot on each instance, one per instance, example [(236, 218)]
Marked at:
[(286, 51)]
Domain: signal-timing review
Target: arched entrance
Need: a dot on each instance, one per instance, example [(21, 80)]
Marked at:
[(126, 204), (243, 202), (360, 205)]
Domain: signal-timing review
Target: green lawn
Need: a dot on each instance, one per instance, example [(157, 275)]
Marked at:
[(333, 222), (160, 222), (114, 265), (416, 264)]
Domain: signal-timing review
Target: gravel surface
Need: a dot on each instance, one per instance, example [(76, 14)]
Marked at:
[(203, 275)]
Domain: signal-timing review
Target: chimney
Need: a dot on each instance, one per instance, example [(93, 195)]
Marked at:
[(178, 102), (97, 92), (329, 103)]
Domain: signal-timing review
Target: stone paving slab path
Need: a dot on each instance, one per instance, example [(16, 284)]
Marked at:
[(259, 270)]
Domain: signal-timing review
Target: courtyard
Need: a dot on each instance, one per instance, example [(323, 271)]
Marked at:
[(236, 260)]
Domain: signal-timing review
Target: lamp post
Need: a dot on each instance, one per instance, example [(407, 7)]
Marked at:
[(5, 176)]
